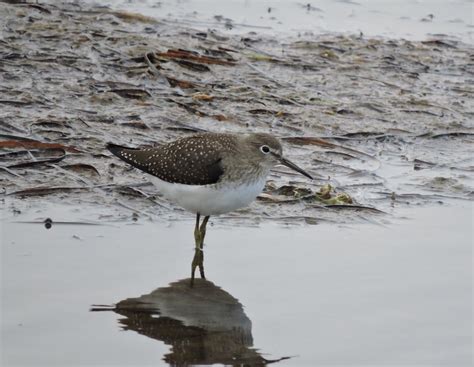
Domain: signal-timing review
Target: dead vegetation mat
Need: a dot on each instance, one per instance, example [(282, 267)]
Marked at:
[(379, 122)]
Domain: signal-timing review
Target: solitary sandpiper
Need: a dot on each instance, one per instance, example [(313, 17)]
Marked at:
[(209, 174)]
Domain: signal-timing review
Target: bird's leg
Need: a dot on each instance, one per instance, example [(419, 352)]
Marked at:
[(197, 233), (203, 234), (198, 259), (202, 230), (201, 264)]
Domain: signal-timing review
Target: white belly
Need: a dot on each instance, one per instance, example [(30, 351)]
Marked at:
[(210, 199)]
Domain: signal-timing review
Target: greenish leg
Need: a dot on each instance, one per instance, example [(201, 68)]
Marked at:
[(197, 233), (203, 231), (198, 259)]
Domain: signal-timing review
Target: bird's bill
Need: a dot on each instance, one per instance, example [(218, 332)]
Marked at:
[(293, 166)]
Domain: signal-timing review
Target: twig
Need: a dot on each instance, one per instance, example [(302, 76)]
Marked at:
[(156, 72)]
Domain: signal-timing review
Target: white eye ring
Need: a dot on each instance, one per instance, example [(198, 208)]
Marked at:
[(265, 149)]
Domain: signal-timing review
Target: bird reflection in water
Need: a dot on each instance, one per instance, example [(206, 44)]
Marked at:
[(202, 323)]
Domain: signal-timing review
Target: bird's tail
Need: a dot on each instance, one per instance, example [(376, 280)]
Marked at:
[(117, 150), (138, 158)]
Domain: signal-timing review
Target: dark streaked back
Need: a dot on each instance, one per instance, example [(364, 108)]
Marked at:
[(194, 160)]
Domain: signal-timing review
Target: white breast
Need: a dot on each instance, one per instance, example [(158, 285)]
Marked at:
[(210, 199)]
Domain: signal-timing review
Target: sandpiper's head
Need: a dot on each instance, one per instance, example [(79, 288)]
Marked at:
[(267, 150)]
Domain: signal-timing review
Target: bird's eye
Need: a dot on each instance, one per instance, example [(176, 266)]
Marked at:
[(265, 149)]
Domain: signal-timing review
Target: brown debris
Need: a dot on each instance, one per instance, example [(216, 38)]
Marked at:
[(181, 83), (132, 93), (39, 191), (134, 17), (29, 144), (202, 97), (38, 162), (189, 55)]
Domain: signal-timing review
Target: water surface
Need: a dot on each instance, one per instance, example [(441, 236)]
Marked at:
[(367, 294), (414, 20)]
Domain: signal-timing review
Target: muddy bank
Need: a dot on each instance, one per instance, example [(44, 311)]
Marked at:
[(387, 122)]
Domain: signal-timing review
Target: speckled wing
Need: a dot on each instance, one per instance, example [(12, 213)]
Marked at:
[(195, 160)]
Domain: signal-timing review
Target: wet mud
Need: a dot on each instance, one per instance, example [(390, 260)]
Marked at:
[(382, 122)]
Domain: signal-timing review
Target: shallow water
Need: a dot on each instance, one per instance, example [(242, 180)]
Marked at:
[(367, 294), (414, 20)]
